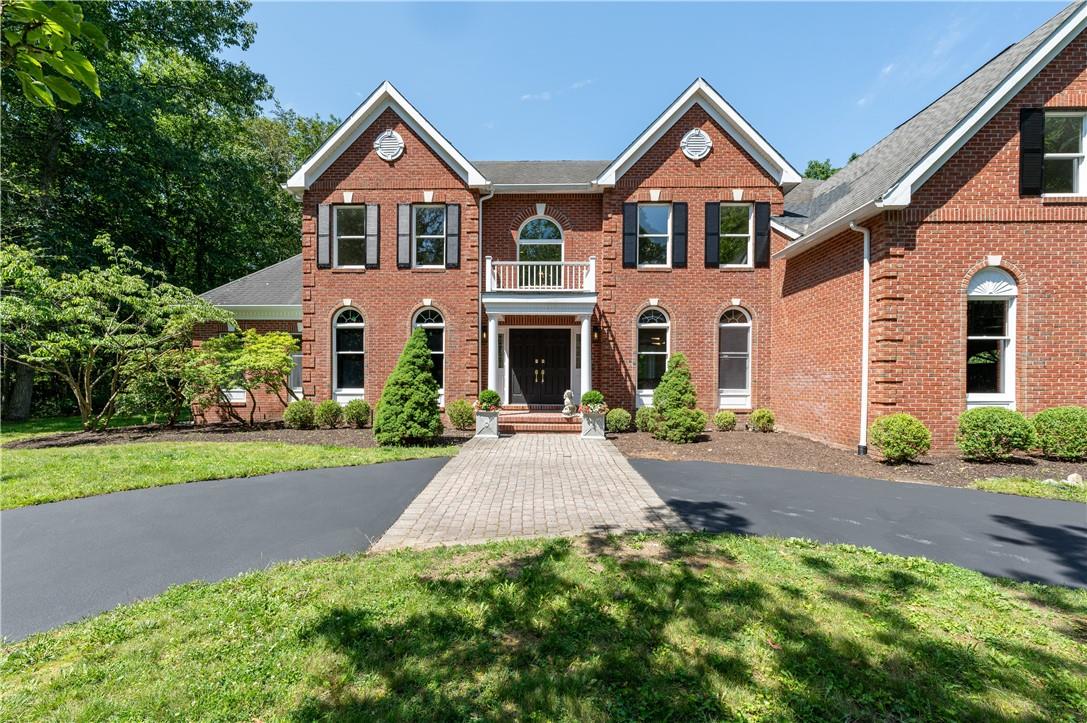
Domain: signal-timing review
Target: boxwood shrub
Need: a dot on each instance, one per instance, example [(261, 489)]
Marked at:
[(761, 420), (645, 419), (356, 413), (461, 414), (299, 414), (991, 433), (328, 413), (724, 421), (681, 426), (618, 420), (900, 437), (1062, 432)]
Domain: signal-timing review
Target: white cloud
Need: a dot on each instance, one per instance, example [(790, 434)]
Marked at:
[(578, 85), (542, 96), (887, 69)]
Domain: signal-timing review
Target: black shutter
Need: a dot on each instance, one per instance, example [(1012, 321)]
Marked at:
[(324, 255), (713, 235), (373, 236), (452, 236), (1031, 151), (679, 235), (762, 234), (403, 236), (630, 235)]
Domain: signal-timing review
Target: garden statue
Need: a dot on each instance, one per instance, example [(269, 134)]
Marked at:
[(569, 409)]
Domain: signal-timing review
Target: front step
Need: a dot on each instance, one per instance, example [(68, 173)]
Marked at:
[(525, 422)]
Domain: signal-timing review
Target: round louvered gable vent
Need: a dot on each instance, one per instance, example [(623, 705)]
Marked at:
[(389, 145), (696, 144)]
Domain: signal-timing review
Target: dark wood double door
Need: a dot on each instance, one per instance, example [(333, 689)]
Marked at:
[(539, 365)]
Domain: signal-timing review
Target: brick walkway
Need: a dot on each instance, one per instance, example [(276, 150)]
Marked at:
[(530, 485)]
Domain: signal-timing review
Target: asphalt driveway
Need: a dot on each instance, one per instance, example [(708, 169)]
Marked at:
[(66, 560), (1017, 537)]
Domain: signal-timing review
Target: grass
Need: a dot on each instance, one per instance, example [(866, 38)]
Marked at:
[(1032, 488), (686, 627), (14, 431), (34, 476)]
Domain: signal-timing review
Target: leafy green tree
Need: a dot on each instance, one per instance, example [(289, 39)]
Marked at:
[(408, 412), (95, 329), (820, 170), (247, 360), (39, 43), (675, 389)]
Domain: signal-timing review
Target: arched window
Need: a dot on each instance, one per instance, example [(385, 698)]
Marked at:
[(653, 331), (431, 321), (734, 359), (990, 339), (540, 241), (349, 352)]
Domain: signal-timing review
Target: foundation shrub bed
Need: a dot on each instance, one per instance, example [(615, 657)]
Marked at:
[(299, 414), (356, 413), (993, 433), (1062, 432), (724, 421), (328, 414), (461, 414), (646, 418), (900, 437), (761, 420), (618, 420)]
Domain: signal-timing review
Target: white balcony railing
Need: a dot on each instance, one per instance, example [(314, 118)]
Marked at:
[(541, 275)]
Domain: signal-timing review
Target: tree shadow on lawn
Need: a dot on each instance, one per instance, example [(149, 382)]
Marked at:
[(669, 628)]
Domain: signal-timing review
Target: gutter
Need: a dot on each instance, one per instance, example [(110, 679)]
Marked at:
[(866, 323), (824, 232), (482, 286)]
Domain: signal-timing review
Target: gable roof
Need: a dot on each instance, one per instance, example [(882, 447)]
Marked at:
[(702, 93), (886, 174), (384, 97), (277, 285)]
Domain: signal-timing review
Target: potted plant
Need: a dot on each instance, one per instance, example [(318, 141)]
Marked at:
[(487, 407), (593, 410)]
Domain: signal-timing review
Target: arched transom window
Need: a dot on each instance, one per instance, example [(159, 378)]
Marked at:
[(653, 328), (540, 239), (734, 359), (431, 322), (990, 339), (349, 351)]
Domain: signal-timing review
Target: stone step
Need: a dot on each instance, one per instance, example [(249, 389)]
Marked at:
[(538, 427), (512, 422)]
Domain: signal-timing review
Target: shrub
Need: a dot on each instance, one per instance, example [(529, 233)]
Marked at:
[(1062, 432), (988, 433), (646, 418), (328, 413), (675, 390), (762, 420), (461, 414), (356, 413), (488, 401), (592, 402), (299, 414), (408, 412), (682, 425), (618, 420), (900, 437), (725, 421)]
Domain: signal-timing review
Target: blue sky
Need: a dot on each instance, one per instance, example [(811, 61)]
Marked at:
[(565, 80)]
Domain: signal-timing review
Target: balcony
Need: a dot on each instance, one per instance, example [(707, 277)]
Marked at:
[(541, 276)]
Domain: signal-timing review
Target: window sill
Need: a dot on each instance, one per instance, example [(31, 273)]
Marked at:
[(735, 268), (990, 400), (655, 268), (347, 269), (1064, 197), (428, 269)]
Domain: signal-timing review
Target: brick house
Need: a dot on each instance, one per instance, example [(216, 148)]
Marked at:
[(942, 269)]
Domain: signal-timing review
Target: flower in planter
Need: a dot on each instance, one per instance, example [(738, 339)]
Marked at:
[(592, 402), (488, 401)]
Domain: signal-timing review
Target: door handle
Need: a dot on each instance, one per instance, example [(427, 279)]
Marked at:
[(536, 375), (543, 373)]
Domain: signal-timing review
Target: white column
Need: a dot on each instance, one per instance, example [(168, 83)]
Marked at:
[(586, 354), (492, 351)]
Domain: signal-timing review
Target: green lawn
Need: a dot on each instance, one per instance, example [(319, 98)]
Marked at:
[(34, 476), (679, 628), (14, 431), (1032, 488)]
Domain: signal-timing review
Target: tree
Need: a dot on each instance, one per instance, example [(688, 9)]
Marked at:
[(247, 360), (820, 170), (38, 42), (408, 411), (675, 388), (95, 329)]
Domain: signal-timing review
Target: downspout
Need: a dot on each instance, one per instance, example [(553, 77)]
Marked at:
[(866, 322), (482, 286)]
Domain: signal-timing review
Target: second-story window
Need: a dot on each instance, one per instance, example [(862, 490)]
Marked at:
[(654, 234), (735, 244), (349, 230), (428, 231), (1064, 169)]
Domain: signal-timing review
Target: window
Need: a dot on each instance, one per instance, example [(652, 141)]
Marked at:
[(540, 240), (1063, 169), (652, 349), (349, 353), (294, 381), (990, 339), (428, 247), (734, 359), (349, 230), (735, 245), (654, 234), (430, 321)]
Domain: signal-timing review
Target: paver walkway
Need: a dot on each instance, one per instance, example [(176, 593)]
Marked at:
[(530, 485)]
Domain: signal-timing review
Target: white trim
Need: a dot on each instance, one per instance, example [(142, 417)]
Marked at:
[(735, 398), (750, 235), (560, 241), (1080, 178), (539, 304), (784, 230), (346, 394), (431, 325), (701, 93), (383, 98), (505, 392), (644, 397), (336, 237), (263, 312), (586, 187), (898, 196), (996, 284), (866, 329), (668, 241)]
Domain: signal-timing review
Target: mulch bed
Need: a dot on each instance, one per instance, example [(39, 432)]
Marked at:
[(793, 452), (342, 437)]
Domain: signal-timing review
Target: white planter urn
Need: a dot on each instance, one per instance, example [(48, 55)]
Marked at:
[(487, 424), (592, 425)]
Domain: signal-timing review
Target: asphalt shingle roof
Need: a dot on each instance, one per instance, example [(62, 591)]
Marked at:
[(530, 172), (273, 285)]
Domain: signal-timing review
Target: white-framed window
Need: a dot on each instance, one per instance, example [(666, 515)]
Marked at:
[(990, 339), (349, 353), (652, 352), (734, 359), (431, 322), (294, 381), (736, 247), (349, 231), (1064, 170), (654, 234), (428, 236), (539, 240)]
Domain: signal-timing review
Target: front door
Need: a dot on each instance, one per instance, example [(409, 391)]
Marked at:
[(539, 365)]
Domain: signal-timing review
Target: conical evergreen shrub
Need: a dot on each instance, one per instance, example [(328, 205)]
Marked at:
[(408, 411), (675, 389)]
